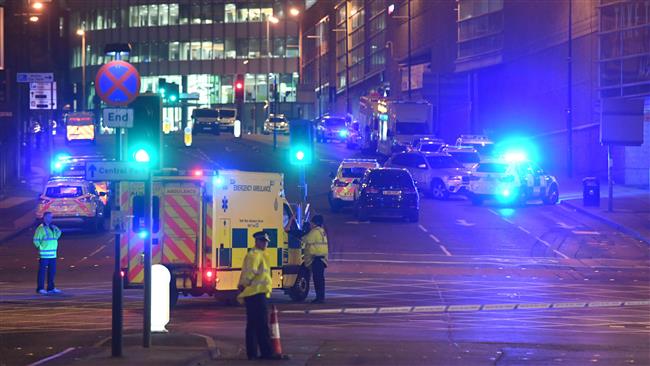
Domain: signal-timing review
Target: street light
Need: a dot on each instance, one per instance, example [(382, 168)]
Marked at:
[(37, 5), (294, 12), (33, 19), (81, 32)]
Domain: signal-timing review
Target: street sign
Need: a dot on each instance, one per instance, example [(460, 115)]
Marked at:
[(42, 95), (188, 96), (117, 83), (35, 77), (116, 171), (118, 117)]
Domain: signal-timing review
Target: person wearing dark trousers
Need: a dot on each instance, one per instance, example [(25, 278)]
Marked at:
[(315, 255), (46, 240), (255, 288)]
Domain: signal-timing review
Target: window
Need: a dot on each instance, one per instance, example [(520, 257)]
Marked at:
[(143, 12), (260, 85), (292, 47), (254, 15), (196, 14), (195, 52), (217, 49), (153, 15), (254, 48), (217, 13), (231, 51), (231, 13), (442, 162), (227, 95), (174, 49), (184, 51), (206, 13), (63, 191), (249, 87), (184, 13), (278, 47), (474, 8), (266, 13), (173, 14), (133, 16), (242, 47), (242, 15), (206, 50), (163, 14)]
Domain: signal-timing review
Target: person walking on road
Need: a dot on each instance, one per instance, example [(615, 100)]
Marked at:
[(255, 289), (315, 255), (46, 240)]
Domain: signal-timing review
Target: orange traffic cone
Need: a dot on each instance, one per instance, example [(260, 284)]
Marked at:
[(275, 332)]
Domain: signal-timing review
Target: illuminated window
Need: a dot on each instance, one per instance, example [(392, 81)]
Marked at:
[(242, 14), (217, 49), (174, 49), (133, 16), (254, 15), (143, 11), (266, 13), (230, 13), (173, 14), (184, 13), (153, 15), (196, 14), (184, 51), (206, 50), (254, 48), (163, 14), (195, 53), (231, 51)]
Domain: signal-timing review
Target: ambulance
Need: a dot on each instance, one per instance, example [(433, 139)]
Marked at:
[(80, 126), (202, 227)]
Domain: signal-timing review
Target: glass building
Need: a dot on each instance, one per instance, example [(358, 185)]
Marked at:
[(200, 45)]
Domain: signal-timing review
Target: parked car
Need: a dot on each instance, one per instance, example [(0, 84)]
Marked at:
[(438, 174), (331, 128), (277, 122), (343, 187), (387, 192)]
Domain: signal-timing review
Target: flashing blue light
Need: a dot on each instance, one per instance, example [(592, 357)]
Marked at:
[(515, 156), (141, 156), (300, 155), (343, 133), (143, 234), (58, 165), (62, 157), (505, 193)]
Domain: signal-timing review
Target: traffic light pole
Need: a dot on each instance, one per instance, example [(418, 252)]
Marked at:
[(117, 317), (146, 331), (302, 186)]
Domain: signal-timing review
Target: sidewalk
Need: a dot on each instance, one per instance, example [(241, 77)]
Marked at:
[(631, 208), (166, 349)]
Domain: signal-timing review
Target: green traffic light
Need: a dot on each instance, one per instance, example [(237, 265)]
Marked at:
[(161, 91), (172, 98), (141, 156), (300, 155)]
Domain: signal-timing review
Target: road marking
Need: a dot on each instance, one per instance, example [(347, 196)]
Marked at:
[(325, 311), (565, 305), (463, 222), (637, 303), (422, 228), (395, 310), (97, 251), (581, 232), (447, 253), (357, 222), (596, 304), (507, 220), (48, 359), (494, 212), (533, 306), (360, 310), (549, 246), (434, 238), (565, 226), (499, 307), (429, 309), (523, 229)]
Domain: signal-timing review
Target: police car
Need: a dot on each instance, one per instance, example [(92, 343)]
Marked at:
[(481, 143), (277, 123), (72, 201), (512, 180), (343, 188), (466, 155)]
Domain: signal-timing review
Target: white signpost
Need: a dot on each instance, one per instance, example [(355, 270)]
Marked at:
[(35, 77), (116, 171), (42, 95), (118, 117)]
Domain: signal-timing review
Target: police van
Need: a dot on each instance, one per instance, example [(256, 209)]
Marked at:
[(202, 227)]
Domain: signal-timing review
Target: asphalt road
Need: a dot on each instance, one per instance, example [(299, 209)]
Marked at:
[(466, 285)]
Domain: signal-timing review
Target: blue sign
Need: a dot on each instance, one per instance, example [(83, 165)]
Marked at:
[(117, 83)]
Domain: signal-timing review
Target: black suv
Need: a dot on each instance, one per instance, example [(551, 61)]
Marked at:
[(387, 192)]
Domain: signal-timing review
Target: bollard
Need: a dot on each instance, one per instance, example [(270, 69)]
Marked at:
[(187, 136), (160, 278)]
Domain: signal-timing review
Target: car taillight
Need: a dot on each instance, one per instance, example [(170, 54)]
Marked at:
[(340, 183), (210, 274), (508, 178)]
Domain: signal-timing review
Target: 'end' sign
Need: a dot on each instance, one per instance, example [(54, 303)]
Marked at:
[(118, 117)]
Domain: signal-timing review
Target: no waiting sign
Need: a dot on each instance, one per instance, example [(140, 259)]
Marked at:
[(117, 83)]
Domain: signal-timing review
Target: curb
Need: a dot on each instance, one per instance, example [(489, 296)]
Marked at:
[(633, 233)]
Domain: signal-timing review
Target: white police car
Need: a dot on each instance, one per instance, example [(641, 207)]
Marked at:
[(343, 188), (512, 180)]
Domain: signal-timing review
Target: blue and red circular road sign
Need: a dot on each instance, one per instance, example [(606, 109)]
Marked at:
[(117, 83)]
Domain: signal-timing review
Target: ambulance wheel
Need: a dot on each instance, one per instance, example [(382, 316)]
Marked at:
[(300, 289), (553, 196), (173, 293)]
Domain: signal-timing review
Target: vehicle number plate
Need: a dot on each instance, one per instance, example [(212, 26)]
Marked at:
[(392, 193)]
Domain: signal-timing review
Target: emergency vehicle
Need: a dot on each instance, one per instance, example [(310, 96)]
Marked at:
[(371, 109), (79, 126), (343, 187), (205, 119), (202, 228), (512, 180), (483, 145), (466, 155), (72, 201), (227, 119), (74, 166), (404, 120)]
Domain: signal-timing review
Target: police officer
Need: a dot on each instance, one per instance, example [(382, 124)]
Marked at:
[(46, 241), (315, 256), (255, 288)]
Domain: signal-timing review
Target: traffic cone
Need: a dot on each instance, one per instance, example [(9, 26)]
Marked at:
[(275, 332)]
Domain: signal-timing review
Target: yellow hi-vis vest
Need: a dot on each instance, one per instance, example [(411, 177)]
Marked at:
[(46, 240), (255, 275), (315, 245)]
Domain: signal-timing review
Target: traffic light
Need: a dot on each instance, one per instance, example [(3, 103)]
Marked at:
[(145, 137), (239, 88), (172, 92), (301, 150), (162, 87)]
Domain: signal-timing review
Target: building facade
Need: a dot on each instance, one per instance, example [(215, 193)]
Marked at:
[(200, 45)]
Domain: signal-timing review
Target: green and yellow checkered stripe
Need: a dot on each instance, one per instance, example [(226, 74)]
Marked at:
[(242, 241)]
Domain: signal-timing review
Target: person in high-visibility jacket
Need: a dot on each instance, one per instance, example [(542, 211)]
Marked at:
[(315, 255), (255, 288), (46, 240)]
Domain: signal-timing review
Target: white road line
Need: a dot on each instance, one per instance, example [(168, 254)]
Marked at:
[(422, 228), (549, 246), (494, 212), (507, 220), (565, 226), (523, 229), (581, 232), (445, 250), (434, 238), (97, 251), (48, 359)]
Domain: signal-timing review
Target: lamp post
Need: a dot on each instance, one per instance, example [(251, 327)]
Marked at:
[(81, 32)]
